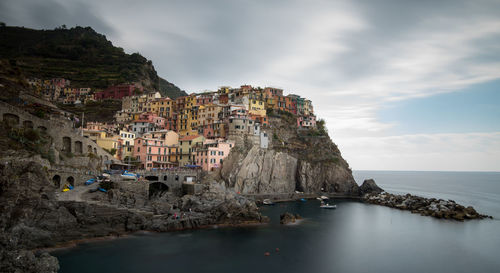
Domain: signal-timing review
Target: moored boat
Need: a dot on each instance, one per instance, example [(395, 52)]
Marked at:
[(267, 202), (327, 206)]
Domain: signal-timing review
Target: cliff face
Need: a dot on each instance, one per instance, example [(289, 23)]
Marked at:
[(297, 160)]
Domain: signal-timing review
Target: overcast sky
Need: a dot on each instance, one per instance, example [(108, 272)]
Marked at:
[(403, 85)]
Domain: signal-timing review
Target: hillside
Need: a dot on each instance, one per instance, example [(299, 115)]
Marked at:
[(80, 54)]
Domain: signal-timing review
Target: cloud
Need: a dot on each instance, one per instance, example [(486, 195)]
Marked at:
[(440, 152), (49, 14), (351, 58)]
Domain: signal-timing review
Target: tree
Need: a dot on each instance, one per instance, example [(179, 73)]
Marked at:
[(2, 24)]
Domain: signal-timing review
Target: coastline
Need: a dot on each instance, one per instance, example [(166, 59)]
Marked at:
[(74, 243)]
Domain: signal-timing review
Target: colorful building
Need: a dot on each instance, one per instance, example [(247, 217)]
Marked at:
[(211, 154), (186, 148)]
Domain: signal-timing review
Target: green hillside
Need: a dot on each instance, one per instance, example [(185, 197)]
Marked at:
[(80, 54)]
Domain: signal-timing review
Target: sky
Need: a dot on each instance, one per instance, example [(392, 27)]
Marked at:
[(402, 85)]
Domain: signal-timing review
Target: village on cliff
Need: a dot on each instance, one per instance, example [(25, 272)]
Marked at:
[(199, 130)]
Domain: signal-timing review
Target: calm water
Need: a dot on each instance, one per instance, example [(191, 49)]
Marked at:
[(353, 238)]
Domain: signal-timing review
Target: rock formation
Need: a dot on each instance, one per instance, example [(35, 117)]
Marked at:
[(369, 186), (437, 208), (295, 161), (288, 218)]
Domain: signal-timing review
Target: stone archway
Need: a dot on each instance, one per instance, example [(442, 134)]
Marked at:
[(57, 181), (157, 189), (89, 149), (165, 178), (11, 119), (70, 181), (28, 124)]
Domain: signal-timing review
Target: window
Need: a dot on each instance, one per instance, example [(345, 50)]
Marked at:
[(220, 161), (138, 149)]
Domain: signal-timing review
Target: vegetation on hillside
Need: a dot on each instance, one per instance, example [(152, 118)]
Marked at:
[(101, 111), (80, 54)]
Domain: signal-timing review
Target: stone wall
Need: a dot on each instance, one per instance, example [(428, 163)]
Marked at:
[(66, 139)]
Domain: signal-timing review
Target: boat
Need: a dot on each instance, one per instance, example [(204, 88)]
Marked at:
[(319, 199), (267, 202), (90, 181), (303, 200), (129, 176), (324, 197), (328, 206), (65, 190), (103, 190)]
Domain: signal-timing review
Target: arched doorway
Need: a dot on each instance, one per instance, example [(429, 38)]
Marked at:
[(57, 181), (70, 181), (28, 124), (157, 189), (78, 147), (11, 119), (66, 144)]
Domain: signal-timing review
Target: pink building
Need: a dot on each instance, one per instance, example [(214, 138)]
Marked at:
[(306, 121), (212, 153), (153, 153)]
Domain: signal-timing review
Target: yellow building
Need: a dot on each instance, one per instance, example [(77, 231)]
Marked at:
[(188, 117), (257, 107), (186, 148), (162, 107), (109, 143)]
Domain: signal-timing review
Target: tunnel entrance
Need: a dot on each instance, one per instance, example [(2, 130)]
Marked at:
[(70, 181), (157, 189), (57, 181)]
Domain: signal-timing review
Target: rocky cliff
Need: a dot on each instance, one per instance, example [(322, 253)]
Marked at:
[(32, 217), (297, 160)]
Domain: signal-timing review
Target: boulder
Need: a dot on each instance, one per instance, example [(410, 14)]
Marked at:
[(369, 186), (287, 218)]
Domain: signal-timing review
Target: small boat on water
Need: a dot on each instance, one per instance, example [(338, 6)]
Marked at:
[(327, 206), (324, 197), (303, 200), (103, 190), (267, 202)]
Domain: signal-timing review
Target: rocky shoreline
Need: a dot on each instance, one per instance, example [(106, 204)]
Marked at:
[(34, 220), (438, 208)]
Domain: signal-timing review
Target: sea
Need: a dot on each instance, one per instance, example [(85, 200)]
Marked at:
[(355, 237)]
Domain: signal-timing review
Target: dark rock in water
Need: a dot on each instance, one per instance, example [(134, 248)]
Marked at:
[(369, 186), (424, 206), (287, 218)]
